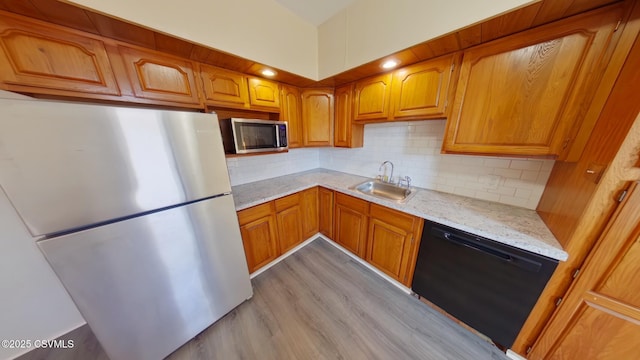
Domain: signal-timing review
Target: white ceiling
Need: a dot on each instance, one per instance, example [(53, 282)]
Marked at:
[(315, 11)]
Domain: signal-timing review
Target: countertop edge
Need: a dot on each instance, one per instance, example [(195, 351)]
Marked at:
[(538, 246)]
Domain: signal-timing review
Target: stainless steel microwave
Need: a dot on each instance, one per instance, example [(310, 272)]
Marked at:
[(244, 136)]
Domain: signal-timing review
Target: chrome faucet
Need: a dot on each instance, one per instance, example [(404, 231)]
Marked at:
[(390, 178)]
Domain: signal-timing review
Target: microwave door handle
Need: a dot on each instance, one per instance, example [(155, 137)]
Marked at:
[(277, 136)]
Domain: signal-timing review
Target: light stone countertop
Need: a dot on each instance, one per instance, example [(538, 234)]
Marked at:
[(518, 227)]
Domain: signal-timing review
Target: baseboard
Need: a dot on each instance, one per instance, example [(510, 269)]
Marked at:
[(366, 264), (283, 256), (514, 355)]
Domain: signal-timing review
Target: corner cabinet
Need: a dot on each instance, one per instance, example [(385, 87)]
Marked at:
[(289, 221), (351, 223), (416, 92), (325, 208), (317, 117), (522, 95), (45, 59), (372, 97), (346, 133), (423, 90)]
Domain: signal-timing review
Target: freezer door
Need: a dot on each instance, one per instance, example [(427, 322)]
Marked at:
[(147, 285), (65, 166)]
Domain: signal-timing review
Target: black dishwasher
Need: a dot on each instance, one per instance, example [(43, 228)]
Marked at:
[(490, 286)]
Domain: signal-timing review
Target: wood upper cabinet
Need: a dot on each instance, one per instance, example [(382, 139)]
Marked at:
[(422, 90), (259, 236), (599, 316), (160, 77), (289, 220), (325, 209), (521, 95), (264, 94), (371, 98), (351, 222), (309, 204), (39, 58), (317, 117), (224, 88), (346, 133), (291, 112), (392, 242)]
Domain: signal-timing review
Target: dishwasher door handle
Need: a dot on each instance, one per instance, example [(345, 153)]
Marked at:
[(500, 255)]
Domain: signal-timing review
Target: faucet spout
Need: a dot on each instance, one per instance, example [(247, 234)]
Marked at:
[(384, 164)]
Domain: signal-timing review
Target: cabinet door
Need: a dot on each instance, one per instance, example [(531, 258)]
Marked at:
[(392, 242), (159, 77), (520, 95), (599, 316), (289, 220), (346, 133), (371, 98), (309, 204), (325, 200), (317, 117), (351, 223), (264, 94), (258, 230), (422, 90), (41, 58), (291, 113), (224, 88)]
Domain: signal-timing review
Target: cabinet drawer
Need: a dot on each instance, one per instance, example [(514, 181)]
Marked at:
[(287, 201), (393, 217), (359, 205), (254, 213)]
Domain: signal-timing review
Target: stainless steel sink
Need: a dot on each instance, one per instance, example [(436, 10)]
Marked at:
[(385, 190)]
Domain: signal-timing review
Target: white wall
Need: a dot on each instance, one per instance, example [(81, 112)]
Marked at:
[(414, 149), (370, 29), (247, 169), (259, 30), (33, 304)]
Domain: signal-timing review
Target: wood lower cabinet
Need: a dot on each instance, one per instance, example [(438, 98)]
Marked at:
[(346, 132), (317, 117), (264, 94), (325, 209), (289, 220), (351, 223), (259, 235), (291, 112), (522, 95), (156, 76), (600, 315), (310, 220), (392, 242), (224, 88), (39, 58)]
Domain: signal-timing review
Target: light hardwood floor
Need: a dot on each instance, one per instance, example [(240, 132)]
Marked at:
[(320, 304)]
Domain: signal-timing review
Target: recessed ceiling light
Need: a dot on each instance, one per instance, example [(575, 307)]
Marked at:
[(390, 64), (268, 72)]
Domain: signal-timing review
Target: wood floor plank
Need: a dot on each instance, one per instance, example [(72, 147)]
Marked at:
[(321, 304), (318, 304)]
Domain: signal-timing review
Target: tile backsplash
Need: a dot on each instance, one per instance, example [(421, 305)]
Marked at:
[(414, 149), (245, 169)]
